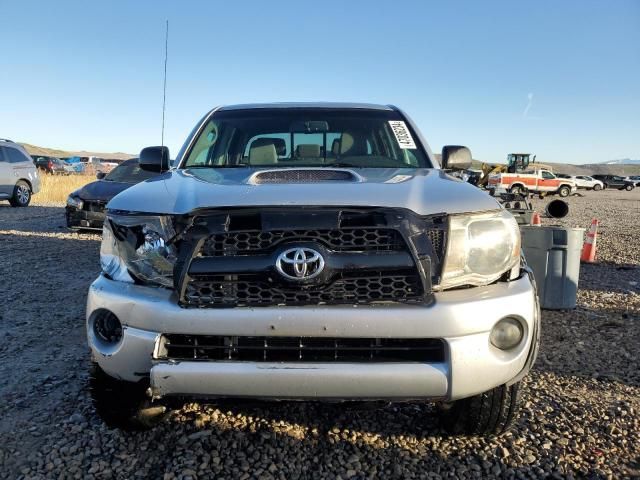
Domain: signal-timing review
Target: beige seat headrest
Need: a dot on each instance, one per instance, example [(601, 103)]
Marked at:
[(310, 150), (352, 145), (263, 152)]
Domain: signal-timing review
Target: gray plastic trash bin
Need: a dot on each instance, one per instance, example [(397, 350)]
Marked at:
[(553, 253)]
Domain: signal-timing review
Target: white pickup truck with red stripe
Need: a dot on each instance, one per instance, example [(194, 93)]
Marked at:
[(531, 181)]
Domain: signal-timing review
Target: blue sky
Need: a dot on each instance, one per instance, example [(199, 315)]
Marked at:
[(559, 79)]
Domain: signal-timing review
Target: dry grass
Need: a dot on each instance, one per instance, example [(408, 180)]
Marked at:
[(55, 189)]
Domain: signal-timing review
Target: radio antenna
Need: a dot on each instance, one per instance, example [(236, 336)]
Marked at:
[(164, 89)]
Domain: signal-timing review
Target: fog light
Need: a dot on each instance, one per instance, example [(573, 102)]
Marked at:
[(507, 333), (106, 326)]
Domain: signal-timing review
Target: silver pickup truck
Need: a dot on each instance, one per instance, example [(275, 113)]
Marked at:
[(310, 252)]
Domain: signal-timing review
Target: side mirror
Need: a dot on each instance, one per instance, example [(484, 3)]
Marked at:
[(455, 157), (154, 159), (100, 175)]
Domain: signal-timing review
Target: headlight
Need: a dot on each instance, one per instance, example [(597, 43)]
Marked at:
[(138, 247), (74, 202), (480, 249)]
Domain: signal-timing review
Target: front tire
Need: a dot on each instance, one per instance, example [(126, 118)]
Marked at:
[(518, 190), (489, 413), (628, 188), (123, 405), (597, 187), (564, 191), (21, 195)]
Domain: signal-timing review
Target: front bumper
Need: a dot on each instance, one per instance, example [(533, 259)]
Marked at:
[(83, 219), (462, 318)]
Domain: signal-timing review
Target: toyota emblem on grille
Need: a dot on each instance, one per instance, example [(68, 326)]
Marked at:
[(300, 263)]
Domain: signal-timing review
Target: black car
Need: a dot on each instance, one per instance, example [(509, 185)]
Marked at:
[(85, 207), (52, 165), (614, 181)]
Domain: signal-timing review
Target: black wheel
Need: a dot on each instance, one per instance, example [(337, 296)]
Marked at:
[(21, 195), (489, 413), (518, 190), (628, 188), (597, 187), (564, 191), (123, 405)]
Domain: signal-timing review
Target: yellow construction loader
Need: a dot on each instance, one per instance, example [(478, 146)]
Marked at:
[(516, 162)]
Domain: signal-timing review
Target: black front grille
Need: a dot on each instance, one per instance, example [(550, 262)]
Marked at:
[(93, 206), (341, 240), (300, 349), (231, 258), (253, 290)]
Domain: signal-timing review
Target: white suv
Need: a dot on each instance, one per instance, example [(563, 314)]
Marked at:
[(584, 181), (19, 178)]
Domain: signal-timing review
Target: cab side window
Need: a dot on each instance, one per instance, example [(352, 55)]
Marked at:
[(2, 155), (548, 175)]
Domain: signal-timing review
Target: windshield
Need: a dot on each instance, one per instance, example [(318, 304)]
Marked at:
[(273, 138), (129, 172)]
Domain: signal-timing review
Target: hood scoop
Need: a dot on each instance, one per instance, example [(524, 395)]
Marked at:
[(303, 175)]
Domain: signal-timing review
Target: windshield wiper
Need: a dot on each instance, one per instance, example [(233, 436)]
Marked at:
[(342, 165), (217, 166)]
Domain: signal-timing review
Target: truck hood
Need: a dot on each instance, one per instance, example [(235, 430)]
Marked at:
[(424, 191)]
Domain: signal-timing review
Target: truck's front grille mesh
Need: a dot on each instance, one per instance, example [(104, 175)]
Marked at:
[(370, 255), (251, 290), (299, 349), (437, 242), (352, 239)]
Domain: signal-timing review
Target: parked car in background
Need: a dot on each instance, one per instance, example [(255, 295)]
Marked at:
[(75, 163), (633, 178), (615, 181), (53, 165), (19, 178), (85, 207), (97, 164), (468, 175), (587, 182)]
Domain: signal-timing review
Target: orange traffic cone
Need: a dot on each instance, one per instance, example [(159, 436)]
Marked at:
[(589, 247), (535, 219)]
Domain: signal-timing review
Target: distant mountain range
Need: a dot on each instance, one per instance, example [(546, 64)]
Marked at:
[(621, 161), (34, 150)]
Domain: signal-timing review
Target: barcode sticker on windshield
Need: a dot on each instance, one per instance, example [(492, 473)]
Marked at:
[(403, 136)]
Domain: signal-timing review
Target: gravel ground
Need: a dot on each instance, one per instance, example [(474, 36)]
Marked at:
[(580, 416)]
